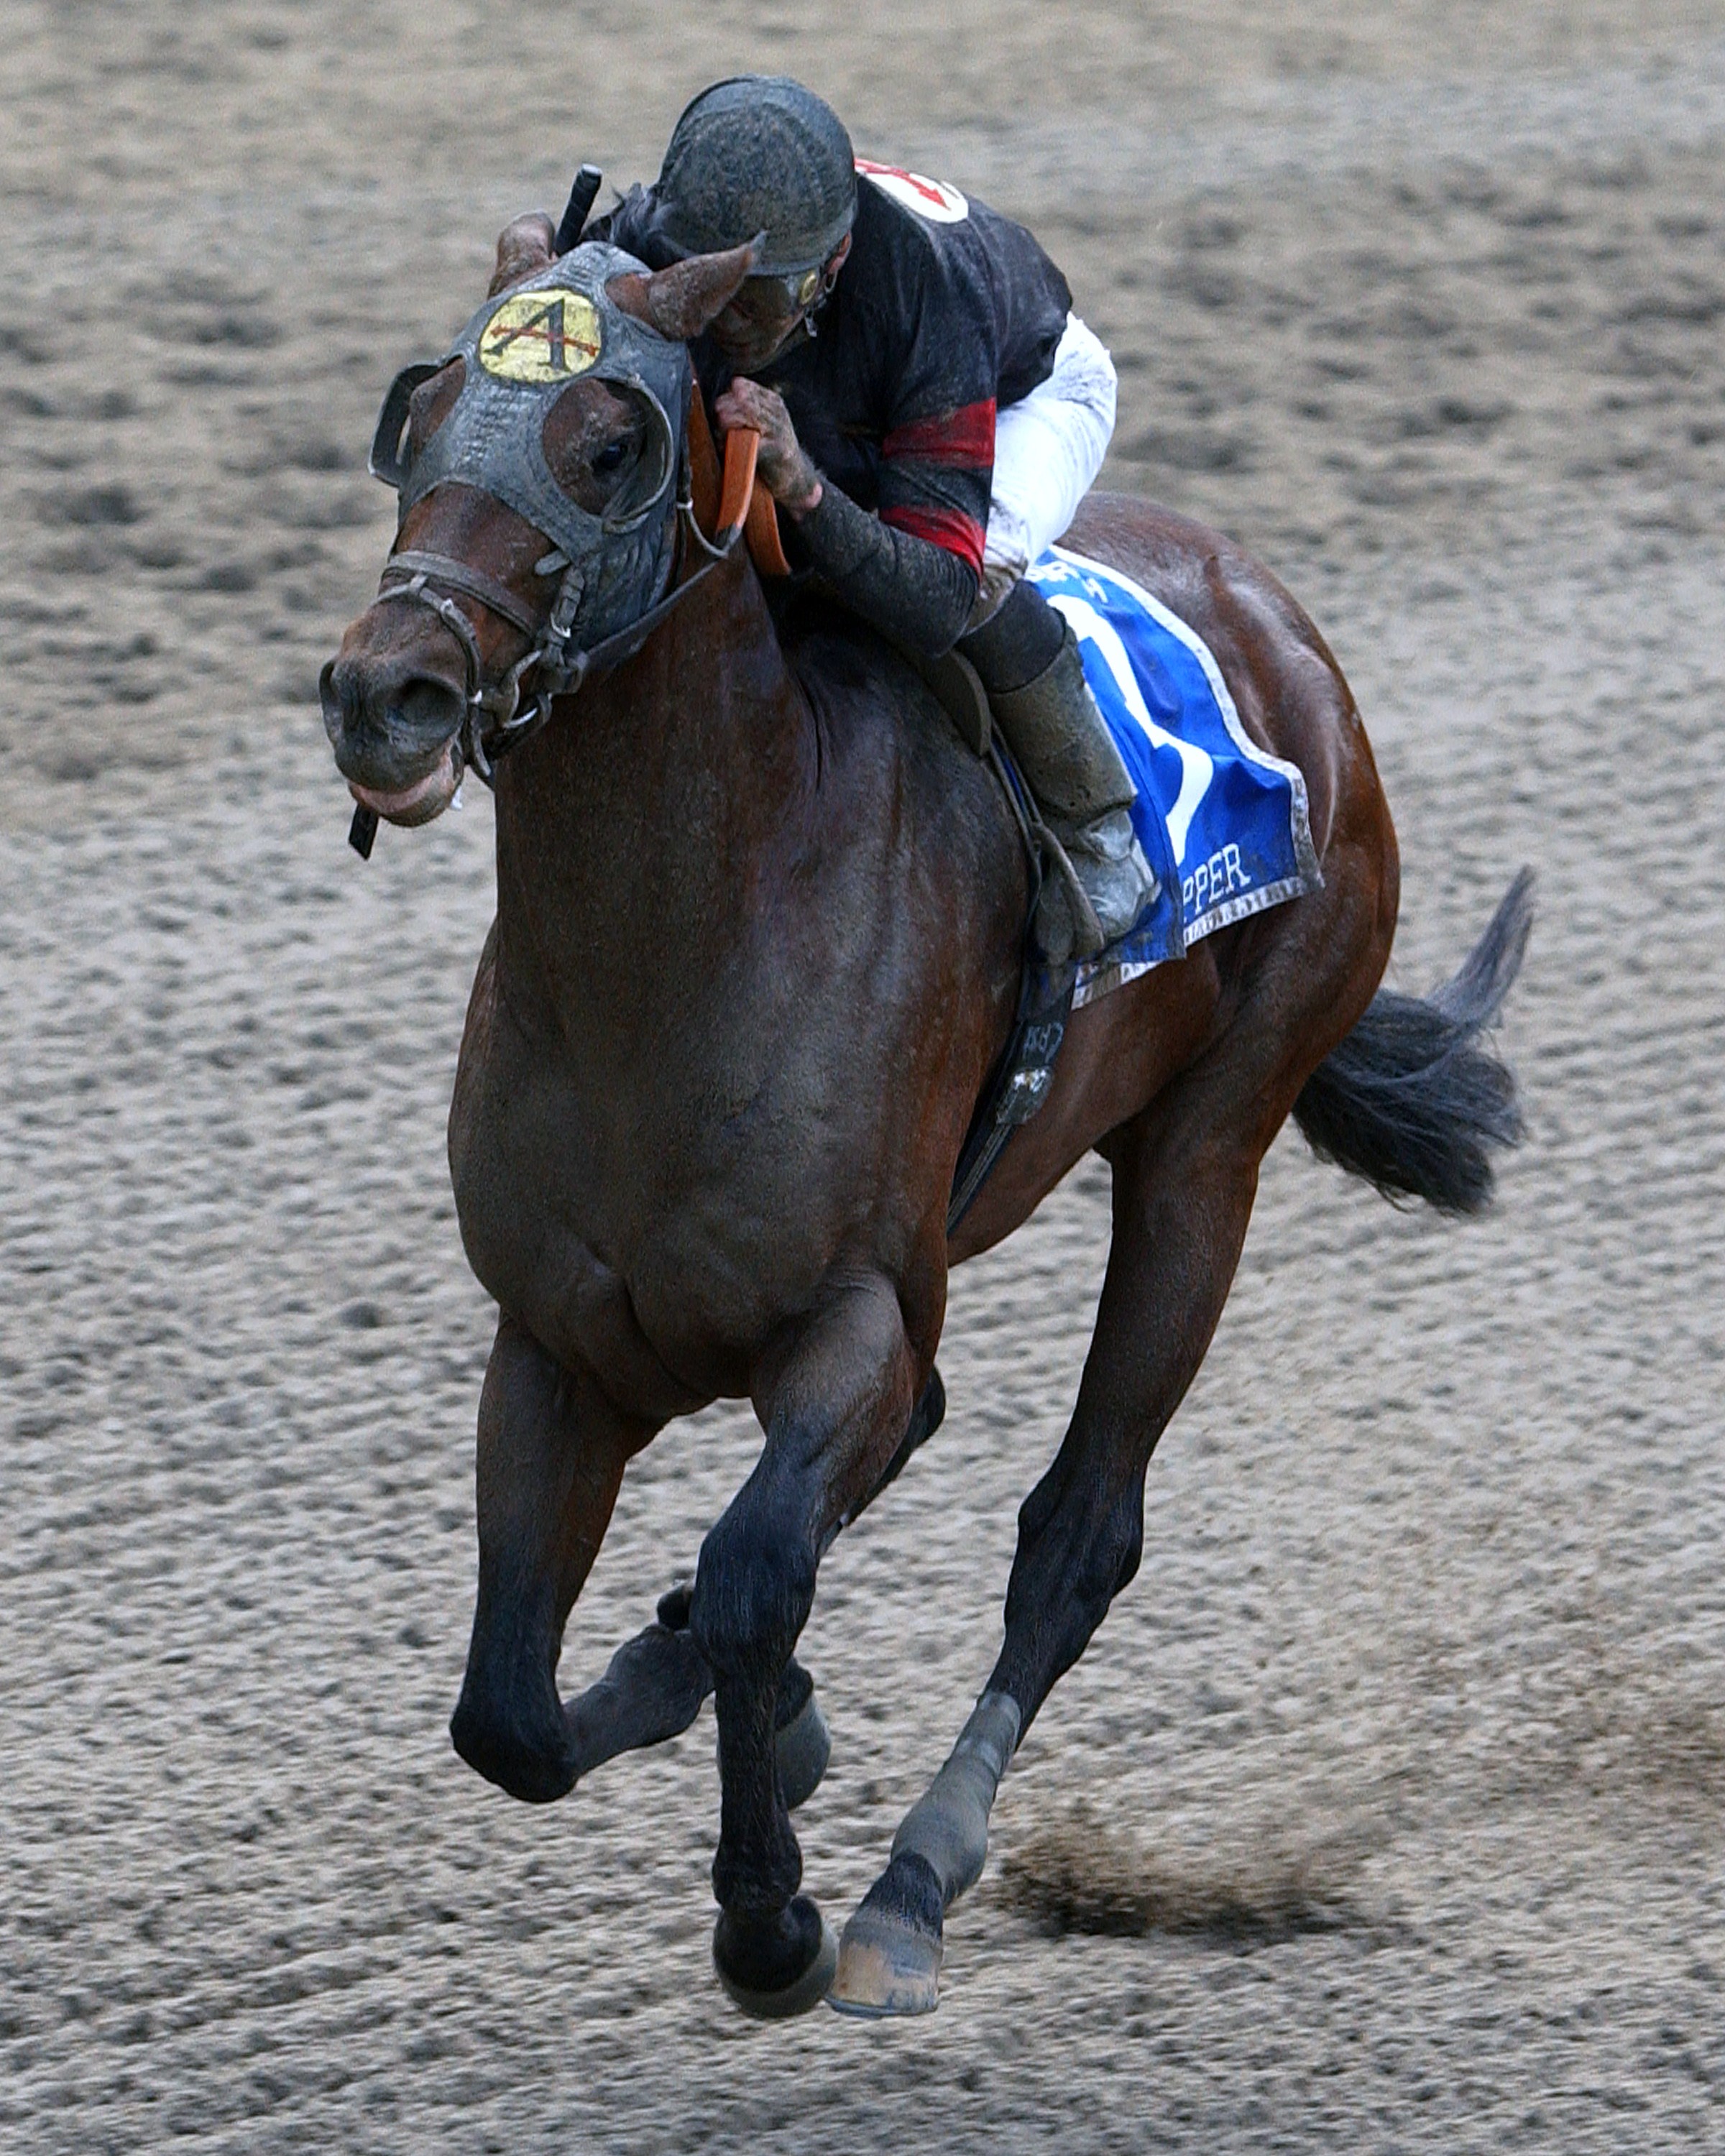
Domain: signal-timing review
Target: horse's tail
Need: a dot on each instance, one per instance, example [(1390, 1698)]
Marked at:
[(1410, 1099)]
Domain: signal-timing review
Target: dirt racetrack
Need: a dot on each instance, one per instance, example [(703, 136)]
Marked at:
[(1386, 1811)]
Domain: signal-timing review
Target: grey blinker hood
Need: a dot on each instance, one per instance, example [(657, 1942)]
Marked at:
[(521, 351)]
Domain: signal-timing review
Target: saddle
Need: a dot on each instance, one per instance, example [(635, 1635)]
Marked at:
[(1023, 1077)]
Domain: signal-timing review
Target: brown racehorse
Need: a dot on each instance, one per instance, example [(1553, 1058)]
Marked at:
[(759, 933)]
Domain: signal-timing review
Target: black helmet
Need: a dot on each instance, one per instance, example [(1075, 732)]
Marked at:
[(757, 153)]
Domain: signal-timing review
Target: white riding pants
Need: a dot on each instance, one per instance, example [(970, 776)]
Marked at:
[(1047, 449)]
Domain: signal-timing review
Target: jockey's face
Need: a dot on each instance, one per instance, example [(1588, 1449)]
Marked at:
[(766, 311)]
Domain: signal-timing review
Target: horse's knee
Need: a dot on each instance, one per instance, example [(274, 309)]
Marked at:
[(754, 1588), (528, 1757), (522, 1743)]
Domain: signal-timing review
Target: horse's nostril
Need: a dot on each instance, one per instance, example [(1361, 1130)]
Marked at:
[(334, 696), (383, 702), (427, 707)]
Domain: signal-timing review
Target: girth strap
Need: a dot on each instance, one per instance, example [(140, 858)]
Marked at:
[(1024, 1077)]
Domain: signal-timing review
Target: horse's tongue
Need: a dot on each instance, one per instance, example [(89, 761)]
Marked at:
[(438, 780)]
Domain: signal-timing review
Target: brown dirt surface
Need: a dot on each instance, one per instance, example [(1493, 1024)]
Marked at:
[(1385, 1812)]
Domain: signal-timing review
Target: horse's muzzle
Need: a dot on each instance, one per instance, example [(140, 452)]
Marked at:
[(417, 804), (392, 727)]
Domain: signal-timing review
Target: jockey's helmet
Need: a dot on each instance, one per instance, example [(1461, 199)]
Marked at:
[(757, 154)]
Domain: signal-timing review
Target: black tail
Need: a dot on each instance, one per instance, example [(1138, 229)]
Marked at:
[(1410, 1100)]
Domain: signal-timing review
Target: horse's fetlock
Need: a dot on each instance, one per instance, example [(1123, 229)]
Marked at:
[(516, 1737), (755, 1887)]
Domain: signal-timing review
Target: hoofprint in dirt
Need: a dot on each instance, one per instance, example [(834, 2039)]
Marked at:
[(1407, 1741)]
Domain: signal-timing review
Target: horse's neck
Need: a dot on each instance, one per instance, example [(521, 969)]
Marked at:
[(633, 836)]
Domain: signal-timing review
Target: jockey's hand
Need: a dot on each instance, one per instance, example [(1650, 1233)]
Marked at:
[(783, 466)]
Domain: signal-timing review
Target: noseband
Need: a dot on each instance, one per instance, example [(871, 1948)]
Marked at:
[(500, 700)]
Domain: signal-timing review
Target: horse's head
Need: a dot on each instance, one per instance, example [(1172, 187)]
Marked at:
[(536, 467)]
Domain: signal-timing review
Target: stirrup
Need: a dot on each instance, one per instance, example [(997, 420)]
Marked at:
[(1100, 884), (1065, 926)]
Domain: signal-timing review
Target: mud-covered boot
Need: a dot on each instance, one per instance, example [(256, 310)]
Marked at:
[(1055, 729)]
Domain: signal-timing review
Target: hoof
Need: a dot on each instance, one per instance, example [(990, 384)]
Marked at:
[(804, 1746), (889, 1956), (753, 1974)]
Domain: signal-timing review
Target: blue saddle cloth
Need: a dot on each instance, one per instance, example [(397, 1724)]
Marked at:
[(1223, 824)]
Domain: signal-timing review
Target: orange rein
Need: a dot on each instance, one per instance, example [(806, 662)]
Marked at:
[(726, 500)]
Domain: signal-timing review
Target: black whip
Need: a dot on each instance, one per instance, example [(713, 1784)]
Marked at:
[(581, 197)]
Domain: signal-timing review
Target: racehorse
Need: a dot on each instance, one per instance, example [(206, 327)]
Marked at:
[(760, 921)]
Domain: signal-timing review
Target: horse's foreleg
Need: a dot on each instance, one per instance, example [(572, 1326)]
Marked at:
[(1183, 1195), (833, 1400), (551, 1453)]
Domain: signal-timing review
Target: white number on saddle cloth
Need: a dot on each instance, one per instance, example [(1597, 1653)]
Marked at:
[(1197, 766), (934, 199)]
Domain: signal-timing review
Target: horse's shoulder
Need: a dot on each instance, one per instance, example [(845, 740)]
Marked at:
[(891, 753)]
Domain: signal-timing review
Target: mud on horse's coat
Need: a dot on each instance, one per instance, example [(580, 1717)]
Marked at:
[(737, 881)]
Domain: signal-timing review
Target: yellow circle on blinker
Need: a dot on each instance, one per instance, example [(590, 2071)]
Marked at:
[(548, 335)]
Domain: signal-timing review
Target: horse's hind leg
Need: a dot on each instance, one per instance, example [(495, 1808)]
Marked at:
[(551, 1453), (1183, 1187)]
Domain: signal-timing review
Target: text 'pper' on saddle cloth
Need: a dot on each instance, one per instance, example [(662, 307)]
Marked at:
[(1223, 824)]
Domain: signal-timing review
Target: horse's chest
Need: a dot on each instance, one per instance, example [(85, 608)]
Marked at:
[(710, 1207)]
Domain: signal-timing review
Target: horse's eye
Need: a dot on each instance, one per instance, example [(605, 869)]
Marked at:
[(608, 458)]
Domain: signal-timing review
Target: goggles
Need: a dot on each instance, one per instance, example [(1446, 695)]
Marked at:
[(801, 288)]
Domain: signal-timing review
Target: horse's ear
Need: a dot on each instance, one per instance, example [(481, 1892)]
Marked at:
[(681, 301), (522, 247)]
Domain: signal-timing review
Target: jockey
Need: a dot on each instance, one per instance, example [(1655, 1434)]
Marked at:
[(930, 414)]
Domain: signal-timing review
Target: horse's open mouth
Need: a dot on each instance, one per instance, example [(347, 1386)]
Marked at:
[(416, 804)]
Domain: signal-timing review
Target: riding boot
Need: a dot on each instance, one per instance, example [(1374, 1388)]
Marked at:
[(1101, 881)]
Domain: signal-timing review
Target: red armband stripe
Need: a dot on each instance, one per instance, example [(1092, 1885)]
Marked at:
[(964, 438), (951, 528)]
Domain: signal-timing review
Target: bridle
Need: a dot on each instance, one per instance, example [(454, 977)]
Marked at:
[(518, 355), (499, 702), (493, 721)]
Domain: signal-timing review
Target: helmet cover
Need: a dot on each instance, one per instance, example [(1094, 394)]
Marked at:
[(757, 153)]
